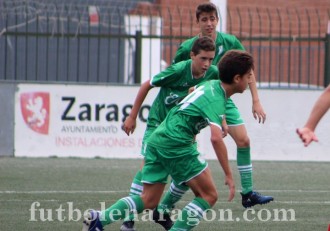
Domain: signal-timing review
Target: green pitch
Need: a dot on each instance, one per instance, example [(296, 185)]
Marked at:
[(51, 193)]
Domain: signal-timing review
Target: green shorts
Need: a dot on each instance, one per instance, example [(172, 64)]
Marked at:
[(157, 168), (233, 117), (147, 134)]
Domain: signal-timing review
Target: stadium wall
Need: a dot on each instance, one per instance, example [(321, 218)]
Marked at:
[(7, 92), (85, 120)]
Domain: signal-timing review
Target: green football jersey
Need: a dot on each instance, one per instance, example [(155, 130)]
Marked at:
[(223, 43), (204, 106), (174, 83)]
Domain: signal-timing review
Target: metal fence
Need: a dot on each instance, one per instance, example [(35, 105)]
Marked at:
[(126, 41), (291, 45)]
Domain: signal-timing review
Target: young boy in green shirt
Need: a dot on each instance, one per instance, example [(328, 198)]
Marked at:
[(207, 19), (174, 83), (171, 149)]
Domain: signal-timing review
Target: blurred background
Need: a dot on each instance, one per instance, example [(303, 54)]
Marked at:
[(113, 41)]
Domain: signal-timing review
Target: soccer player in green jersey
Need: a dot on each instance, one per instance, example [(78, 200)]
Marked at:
[(207, 19), (174, 83), (171, 150)]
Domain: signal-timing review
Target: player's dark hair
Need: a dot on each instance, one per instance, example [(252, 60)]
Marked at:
[(203, 43), (206, 8), (234, 62)]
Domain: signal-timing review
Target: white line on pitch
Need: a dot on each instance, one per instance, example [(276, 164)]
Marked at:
[(186, 201), (126, 191), (62, 192)]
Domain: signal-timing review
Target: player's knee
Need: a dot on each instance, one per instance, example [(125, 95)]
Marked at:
[(240, 136), (149, 202), (211, 197), (242, 141)]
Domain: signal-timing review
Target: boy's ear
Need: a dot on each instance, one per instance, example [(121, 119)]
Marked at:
[(191, 54), (236, 78)]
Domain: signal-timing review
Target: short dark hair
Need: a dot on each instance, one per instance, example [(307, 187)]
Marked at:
[(204, 43), (206, 7), (234, 62)]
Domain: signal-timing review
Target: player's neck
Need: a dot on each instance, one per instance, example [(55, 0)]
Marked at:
[(228, 88), (196, 75), (213, 36)]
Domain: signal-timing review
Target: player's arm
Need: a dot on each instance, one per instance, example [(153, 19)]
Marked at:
[(319, 109), (222, 155), (225, 127), (257, 109), (130, 122)]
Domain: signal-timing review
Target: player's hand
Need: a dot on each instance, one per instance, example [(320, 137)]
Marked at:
[(191, 89), (225, 128), (231, 185), (258, 112), (306, 135), (129, 125)]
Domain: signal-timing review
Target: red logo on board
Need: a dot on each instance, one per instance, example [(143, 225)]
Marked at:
[(35, 110)]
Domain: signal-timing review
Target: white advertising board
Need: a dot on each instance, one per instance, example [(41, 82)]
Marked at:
[(85, 121), (75, 120)]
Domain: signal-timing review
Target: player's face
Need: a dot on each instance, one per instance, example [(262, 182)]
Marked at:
[(201, 62), (208, 23), (245, 80)]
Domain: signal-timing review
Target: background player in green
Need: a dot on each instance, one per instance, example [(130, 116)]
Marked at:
[(171, 150), (207, 19), (174, 83)]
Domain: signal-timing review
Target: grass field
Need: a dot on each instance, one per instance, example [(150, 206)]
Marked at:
[(56, 186)]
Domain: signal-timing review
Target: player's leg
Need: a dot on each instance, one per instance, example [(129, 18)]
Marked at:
[(238, 132), (149, 199), (244, 165), (171, 197), (183, 169), (206, 196), (162, 214), (137, 185), (135, 190), (96, 220), (155, 175)]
